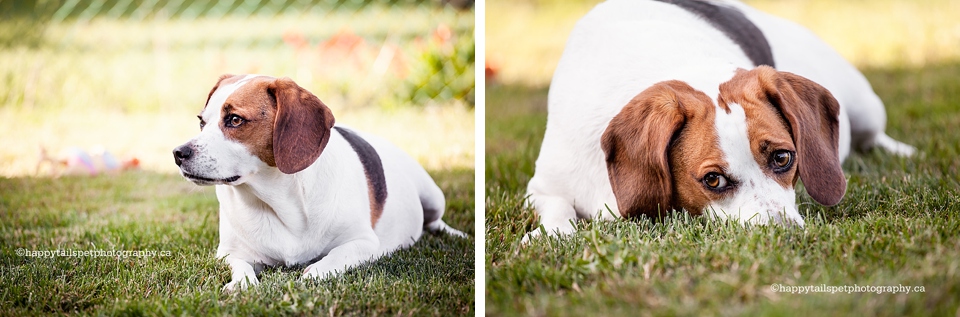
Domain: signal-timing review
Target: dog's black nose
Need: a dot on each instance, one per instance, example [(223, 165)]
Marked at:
[(181, 153)]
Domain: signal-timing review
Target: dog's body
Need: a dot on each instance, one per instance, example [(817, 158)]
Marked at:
[(293, 188), (652, 102)]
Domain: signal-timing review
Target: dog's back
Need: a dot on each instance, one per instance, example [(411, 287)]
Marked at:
[(413, 182)]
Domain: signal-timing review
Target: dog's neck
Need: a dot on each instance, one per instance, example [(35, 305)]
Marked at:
[(273, 192), (285, 195)]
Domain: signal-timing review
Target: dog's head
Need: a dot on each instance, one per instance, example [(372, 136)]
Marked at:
[(254, 122), (672, 148)]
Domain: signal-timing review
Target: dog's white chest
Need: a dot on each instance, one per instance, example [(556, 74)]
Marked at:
[(276, 234)]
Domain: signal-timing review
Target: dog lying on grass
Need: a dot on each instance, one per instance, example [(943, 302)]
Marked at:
[(296, 189), (705, 107)]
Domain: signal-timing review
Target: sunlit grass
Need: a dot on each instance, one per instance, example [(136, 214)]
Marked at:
[(867, 33), (135, 86), (879, 33), (525, 39), (438, 137)]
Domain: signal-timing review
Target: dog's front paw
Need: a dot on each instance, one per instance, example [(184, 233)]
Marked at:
[(315, 271), (552, 231), (530, 236), (239, 285)]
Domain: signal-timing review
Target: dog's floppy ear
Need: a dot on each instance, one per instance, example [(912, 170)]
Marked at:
[(636, 144), (812, 113), (302, 126)]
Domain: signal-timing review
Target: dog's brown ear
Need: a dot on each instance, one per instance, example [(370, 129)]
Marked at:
[(222, 77), (302, 126), (636, 144), (812, 113)]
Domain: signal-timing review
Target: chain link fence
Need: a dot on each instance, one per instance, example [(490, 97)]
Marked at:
[(158, 55), (128, 77)]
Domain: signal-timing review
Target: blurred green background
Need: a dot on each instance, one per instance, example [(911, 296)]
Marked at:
[(869, 33), (131, 75)]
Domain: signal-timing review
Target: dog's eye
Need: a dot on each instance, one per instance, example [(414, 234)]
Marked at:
[(715, 180), (202, 123), (234, 121), (781, 160)]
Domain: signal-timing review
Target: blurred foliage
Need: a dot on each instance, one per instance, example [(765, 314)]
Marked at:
[(23, 23), (164, 55), (445, 71)]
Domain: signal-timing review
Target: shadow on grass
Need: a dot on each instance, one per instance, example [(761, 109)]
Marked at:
[(145, 211)]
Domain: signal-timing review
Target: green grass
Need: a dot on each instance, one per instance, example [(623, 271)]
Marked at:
[(897, 225), (161, 212)]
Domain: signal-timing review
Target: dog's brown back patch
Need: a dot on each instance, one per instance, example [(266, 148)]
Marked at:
[(373, 169)]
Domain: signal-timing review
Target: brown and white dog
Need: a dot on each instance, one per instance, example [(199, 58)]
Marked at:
[(676, 105), (294, 188)]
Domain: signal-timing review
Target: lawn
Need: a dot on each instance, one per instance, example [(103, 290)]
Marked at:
[(146, 211), (899, 223), (131, 76)]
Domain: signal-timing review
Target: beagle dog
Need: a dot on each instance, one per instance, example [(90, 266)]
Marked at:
[(704, 107), (294, 188)]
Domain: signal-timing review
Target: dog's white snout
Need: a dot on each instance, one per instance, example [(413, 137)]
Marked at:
[(752, 215)]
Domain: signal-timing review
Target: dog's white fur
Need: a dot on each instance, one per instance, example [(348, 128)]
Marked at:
[(271, 218), (622, 47), (748, 206)]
